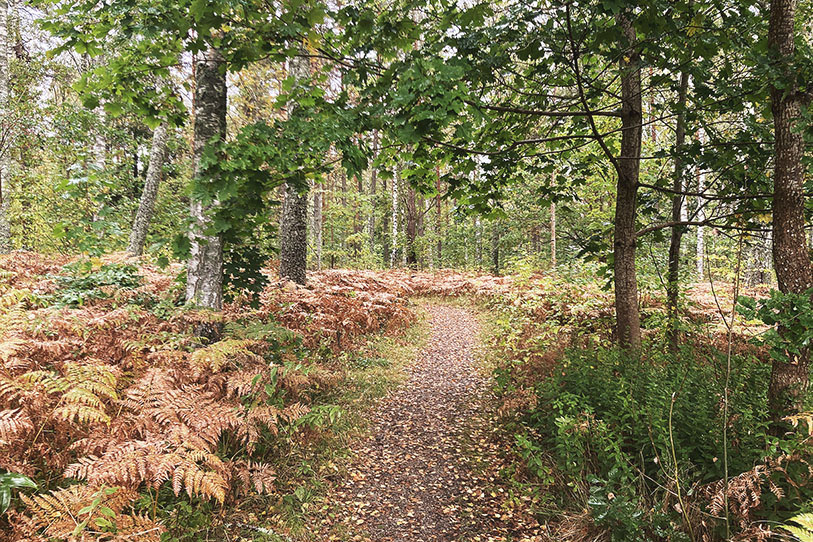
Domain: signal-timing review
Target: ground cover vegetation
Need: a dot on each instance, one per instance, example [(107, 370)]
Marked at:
[(217, 218)]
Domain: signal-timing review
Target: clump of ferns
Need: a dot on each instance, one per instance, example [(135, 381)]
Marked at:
[(785, 476), (81, 512), (178, 424)]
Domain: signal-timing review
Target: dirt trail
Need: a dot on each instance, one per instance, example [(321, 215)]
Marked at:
[(412, 479)]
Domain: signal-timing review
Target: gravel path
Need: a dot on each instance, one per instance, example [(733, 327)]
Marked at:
[(412, 479)]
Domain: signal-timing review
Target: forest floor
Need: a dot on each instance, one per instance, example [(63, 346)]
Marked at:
[(428, 469)]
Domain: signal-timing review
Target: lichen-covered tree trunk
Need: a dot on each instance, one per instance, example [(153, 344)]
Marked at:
[(204, 281), (628, 319), (293, 243), (5, 150), (141, 224), (789, 378)]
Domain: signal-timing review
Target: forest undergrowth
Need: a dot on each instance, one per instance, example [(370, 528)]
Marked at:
[(649, 445), (132, 428)]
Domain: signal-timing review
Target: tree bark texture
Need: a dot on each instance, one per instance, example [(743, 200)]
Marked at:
[(789, 378), (673, 272), (146, 206), (293, 244), (204, 282), (5, 151), (628, 320)]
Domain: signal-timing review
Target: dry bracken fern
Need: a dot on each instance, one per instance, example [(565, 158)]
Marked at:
[(82, 512)]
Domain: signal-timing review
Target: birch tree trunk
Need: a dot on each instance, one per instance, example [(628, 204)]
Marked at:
[(146, 206), (5, 150), (394, 248), (293, 245), (438, 222), (204, 282), (789, 378)]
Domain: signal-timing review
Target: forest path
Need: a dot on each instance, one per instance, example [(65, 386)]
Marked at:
[(414, 478)]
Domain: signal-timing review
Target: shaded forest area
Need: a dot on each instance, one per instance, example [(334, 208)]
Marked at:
[(230, 230)]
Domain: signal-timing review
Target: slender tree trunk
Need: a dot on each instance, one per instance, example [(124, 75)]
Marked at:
[(204, 281), (700, 254), (553, 236), (411, 228), (673, 272), (371, 216), (317, 226), (438, 222), (141, 224), (495, 247), (394, 240), (5, 150), (653, 126), (478, 242), (628, 319), (357, 220), (385, 226), (293, 246), (789, 378), (422, 209)]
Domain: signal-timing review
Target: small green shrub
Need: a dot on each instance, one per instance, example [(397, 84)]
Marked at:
[(79, 282)]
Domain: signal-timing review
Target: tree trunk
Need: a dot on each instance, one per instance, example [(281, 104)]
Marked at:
[(204, 280), (673, 272), (789, 378), (700, 254), (385, 226), (553, 236), (438, 222), (411, 228), (371, 216), (317, 226), (394, 240), (5, 150), (141, 224), (478, 242), (495, 248), (293, 245), (628, 320), (293, 248)]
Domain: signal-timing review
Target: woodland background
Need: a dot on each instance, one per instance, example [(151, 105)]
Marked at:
[(211, 210)]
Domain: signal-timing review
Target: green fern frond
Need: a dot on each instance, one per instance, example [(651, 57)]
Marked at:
[(803, 530)]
